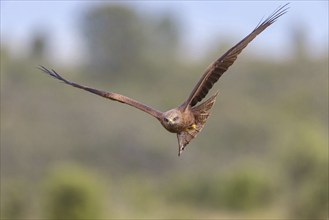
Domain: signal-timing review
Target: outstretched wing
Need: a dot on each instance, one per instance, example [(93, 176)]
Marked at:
[(217, 68), (109, 95)]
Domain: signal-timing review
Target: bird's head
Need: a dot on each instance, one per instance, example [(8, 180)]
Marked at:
[(172, 120)]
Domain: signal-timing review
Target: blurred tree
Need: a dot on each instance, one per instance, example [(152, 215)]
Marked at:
[(199, 191), (14, 200), (246, 189), (299, 38), (115, 39), (72, 193), (121, 42), (311, 200), (38, 45), (304, 158), (161, 51), (303, 153), (164, 36)]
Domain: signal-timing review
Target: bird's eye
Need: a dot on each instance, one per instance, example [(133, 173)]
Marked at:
[(166, 119)]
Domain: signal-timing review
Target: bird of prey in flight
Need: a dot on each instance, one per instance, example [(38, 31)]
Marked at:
[(188, 119)]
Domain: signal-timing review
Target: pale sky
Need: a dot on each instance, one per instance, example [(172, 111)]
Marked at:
[(203, 23)]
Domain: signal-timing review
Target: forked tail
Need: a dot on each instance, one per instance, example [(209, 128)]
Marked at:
[(201, 114)]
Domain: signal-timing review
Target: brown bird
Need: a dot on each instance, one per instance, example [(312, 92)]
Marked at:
[(188, 119)]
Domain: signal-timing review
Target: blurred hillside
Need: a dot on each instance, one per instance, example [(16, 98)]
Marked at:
[(263, 153)]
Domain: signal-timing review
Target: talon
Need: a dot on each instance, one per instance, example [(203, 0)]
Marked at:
[(192, 127)]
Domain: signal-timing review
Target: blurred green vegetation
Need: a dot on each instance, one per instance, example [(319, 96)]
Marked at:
[(72, 193), (240, 189), (16, 200), (263, 153)]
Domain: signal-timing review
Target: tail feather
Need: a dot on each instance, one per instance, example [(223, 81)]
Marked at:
[(201, 114)]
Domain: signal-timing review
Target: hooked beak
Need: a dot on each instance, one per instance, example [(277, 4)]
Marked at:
[(169, 121)]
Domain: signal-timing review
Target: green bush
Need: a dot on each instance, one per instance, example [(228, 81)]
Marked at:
[(311, 201), (14, 200), (72, 193), (199, 191), (239, 190), (304, 162), (246, 189)]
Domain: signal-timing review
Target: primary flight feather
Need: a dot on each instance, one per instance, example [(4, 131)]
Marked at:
[(188, 119)]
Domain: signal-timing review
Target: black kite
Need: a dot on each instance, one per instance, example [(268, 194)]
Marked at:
[(188, 119)]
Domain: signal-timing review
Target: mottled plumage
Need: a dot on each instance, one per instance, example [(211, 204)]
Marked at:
[(188, 119)]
